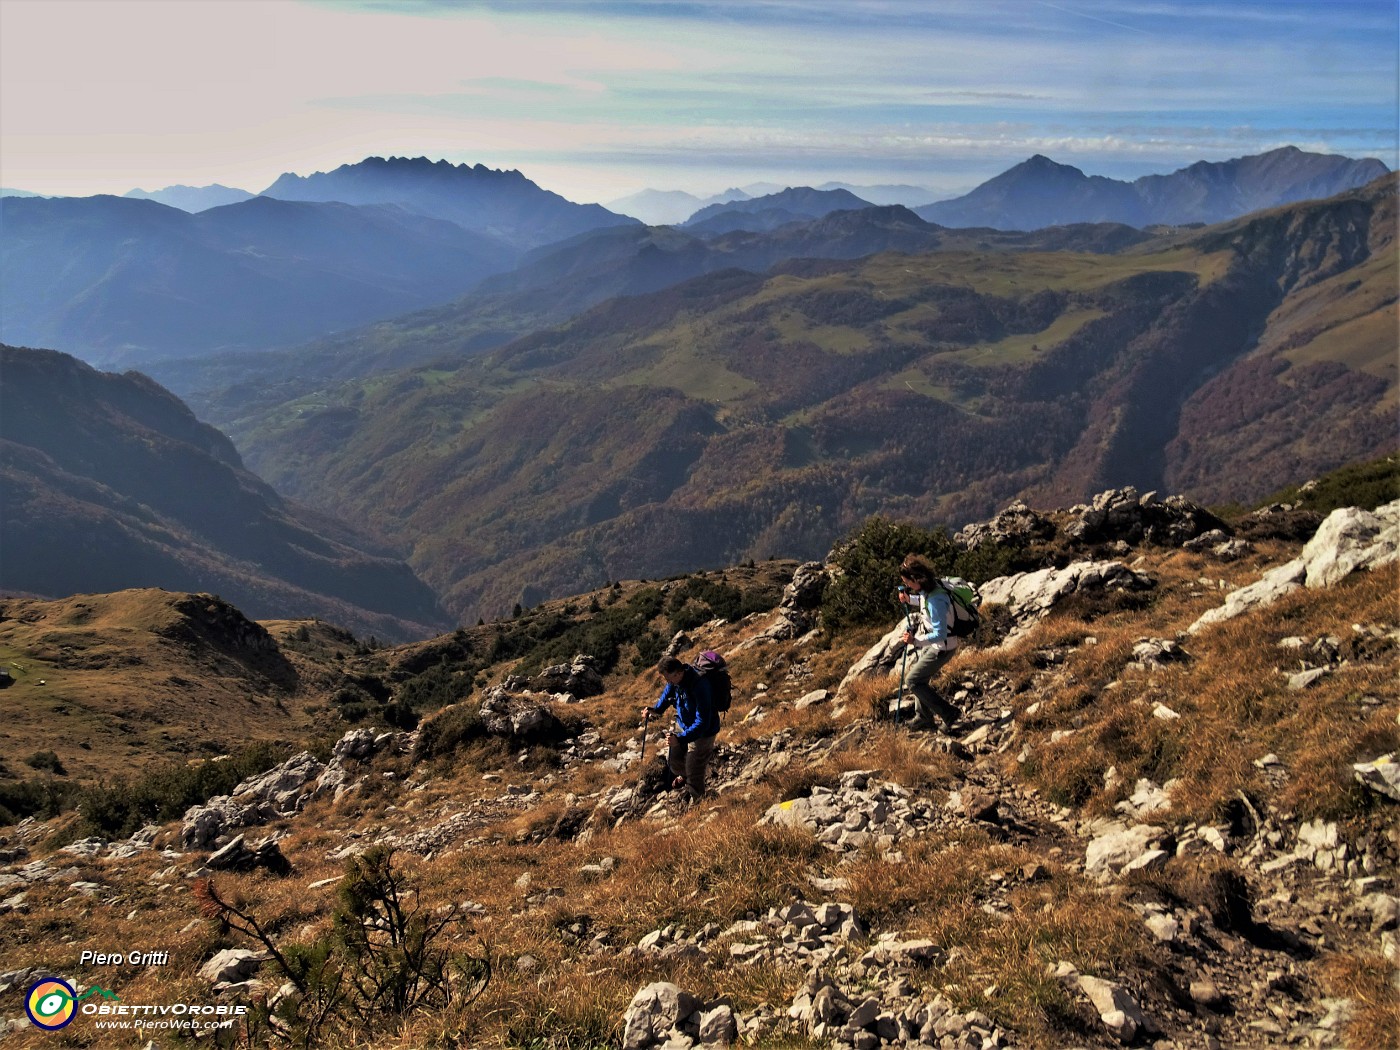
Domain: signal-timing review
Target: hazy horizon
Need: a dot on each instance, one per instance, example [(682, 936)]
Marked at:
[(598, 100)]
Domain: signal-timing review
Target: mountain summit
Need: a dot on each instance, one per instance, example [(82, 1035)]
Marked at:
[(1040, 192), (773, 210), (502, 203)]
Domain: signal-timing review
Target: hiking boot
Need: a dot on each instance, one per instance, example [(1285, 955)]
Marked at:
[(919, 724)]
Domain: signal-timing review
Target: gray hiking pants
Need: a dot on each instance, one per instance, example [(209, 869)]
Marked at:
[(917, 675), (689, 759)]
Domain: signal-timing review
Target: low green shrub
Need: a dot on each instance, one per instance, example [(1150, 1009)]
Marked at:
[(388, 955), (864, 590), (123, 806), (46, 762)]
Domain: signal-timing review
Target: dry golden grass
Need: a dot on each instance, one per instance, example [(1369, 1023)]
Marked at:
[(1000, 961), (1368, 981), (1232, 697), (122, 687), (716, 865)]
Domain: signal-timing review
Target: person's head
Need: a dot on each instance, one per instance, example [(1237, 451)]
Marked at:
[(671, 669), (917, 574)]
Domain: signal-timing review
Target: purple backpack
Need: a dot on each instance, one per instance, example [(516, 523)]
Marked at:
[(711, 667)]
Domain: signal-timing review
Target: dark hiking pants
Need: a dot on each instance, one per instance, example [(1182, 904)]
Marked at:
[(688, 759), (917, 676)]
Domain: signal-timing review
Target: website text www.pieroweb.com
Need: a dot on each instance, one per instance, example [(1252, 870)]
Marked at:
[(53, 1004)]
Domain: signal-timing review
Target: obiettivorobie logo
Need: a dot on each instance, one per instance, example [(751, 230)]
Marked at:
[(52, 1003)]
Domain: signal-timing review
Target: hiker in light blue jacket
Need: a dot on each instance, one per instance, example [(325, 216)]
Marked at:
[(930, 608)]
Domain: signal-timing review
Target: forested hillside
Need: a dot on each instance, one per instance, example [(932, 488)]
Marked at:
[(740, 415)]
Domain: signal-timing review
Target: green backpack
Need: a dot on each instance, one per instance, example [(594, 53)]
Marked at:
[(965, 618)]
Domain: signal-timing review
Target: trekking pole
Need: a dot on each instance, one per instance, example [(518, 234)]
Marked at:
[(642, 762), (903, 656), (899, 701)]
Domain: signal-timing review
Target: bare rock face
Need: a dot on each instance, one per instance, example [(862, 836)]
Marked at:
[(1124, 849), (579, 678), (881, 658), (232, 964), (1351, 539), (1121, 514), (654, 1013), (1381, 775), (509, 715), (1348, 540), (1017, 525), (238, 856), (1117, 1008), (861, 811), (798, 611), (285, 789), (1151, 653), (1031, 595), (807, 586)]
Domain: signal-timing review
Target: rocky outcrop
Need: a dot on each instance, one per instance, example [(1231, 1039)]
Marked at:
[(1016, 526), (1031, 595), (285, 789), (1117, 1008), (862, 812), (880, 659), (1118, 850), (1028, 597), (239, 857), (1348, 540), (506, 714), (578, 679), (1116, 516), (1381, 775), (1219, 545), (798, 612), (232, 964), (1121, 515), (658, 1013)]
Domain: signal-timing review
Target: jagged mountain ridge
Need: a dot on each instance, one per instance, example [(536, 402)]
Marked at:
[(504, 204), (115, 279), (112, 483), (1040, 192), (741, 415)]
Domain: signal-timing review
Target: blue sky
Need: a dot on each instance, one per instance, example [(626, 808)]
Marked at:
[(596, 100)]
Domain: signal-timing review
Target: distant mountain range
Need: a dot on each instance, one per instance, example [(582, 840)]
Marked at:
[(908, 196), (773, 210), (110, 483), (554, 283), (669, 207), (1039, 192), (192, 198), (113, 279), (741, 414), (503, 204)]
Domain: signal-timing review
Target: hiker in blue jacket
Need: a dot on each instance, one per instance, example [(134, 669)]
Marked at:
[(692, 742), (930, 639)]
